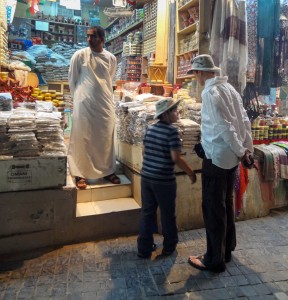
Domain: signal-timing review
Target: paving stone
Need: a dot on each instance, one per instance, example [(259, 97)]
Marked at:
[(263, 297), (281, 296), (172, 289), (240, 280), (253, 278), (110, 270), (43, 291), (248, 290)]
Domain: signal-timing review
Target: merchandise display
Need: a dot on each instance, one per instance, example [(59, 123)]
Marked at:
[(187, 37), (3, 35), (30, 133)]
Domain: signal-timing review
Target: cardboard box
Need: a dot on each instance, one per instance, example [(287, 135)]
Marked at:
[(22, 174)]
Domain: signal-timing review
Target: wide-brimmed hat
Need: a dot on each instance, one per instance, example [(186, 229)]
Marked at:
[(164, 104), (203, 62)]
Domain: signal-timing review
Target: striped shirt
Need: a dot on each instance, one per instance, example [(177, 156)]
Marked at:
[(158, 141)]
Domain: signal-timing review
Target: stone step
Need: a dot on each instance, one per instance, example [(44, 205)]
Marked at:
[(101, 189), (95, 208)]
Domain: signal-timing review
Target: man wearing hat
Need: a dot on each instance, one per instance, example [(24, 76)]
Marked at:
[(161, 151), (226, 140)]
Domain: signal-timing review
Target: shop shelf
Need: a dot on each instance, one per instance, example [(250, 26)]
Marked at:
[(259, 142), (188, 5), (125, 30), (188, 29), (193, 50)]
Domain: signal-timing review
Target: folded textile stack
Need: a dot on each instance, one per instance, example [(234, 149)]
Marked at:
[(21, 124), (133, 119), (5, 144), (68, 100), (65, 49), (189, 131), (193, 112), (50, 134)]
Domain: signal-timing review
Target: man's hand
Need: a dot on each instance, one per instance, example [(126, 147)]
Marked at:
[(192, 177), (247, 160)]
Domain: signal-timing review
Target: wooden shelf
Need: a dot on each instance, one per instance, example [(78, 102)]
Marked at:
[(189, 29), (185, 77), (193, 50), (135, 25), (188, 5)]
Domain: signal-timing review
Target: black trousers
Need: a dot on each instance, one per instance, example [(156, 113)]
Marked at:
[(164, 196), (218, 212)]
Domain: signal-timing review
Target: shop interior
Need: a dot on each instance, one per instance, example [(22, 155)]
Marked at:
[(153, 42)]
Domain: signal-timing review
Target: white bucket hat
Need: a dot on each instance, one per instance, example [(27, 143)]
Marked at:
[(163, 105), (203, 62)]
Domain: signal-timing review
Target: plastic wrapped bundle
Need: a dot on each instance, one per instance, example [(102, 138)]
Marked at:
[(50, 134), (189, 131)]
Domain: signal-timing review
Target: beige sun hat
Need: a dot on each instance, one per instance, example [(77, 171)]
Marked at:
[(203, 62), (163, 105)]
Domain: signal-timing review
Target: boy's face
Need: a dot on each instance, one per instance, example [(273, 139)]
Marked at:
[(94, 41)]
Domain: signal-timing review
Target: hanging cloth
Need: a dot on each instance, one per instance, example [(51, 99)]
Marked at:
[(240, 185), (252, 12), (228, 45), (268, 31)]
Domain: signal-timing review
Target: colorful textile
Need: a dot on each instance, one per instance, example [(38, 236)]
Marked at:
[(264, 155), (228, 44), (268, 30), (252, 8), (240, 185)]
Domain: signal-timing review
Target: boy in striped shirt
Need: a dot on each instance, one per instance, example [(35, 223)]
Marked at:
[(161, 150)]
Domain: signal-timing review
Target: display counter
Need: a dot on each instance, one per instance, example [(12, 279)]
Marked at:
[(189, 197)]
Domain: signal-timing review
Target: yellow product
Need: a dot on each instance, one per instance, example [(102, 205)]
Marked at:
[(59, 94), (36, 90), (40, 97), (34, 95), (48, 98), (59, 97), (44, 91)]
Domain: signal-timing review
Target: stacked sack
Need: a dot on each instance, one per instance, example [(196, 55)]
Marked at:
[(189, 131), (50, 133), (21, 129), (5, 145)]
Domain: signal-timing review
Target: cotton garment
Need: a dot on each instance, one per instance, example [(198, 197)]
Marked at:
[(160, 139), (91, 152), (225, 129)]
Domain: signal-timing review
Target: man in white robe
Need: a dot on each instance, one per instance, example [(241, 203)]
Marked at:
[(91, 152)]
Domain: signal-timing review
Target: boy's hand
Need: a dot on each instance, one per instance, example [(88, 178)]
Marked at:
[(192, 177)]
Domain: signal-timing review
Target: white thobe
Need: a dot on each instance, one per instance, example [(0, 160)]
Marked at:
[(91, 152)]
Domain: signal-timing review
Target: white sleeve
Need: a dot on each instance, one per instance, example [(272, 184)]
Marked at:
[(113, 66), (225, 129), (248, 142), (74, 71)]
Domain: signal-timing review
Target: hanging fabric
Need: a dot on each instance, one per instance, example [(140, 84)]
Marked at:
[(252, 11), (250, 101), (268, 31), (228, 45)]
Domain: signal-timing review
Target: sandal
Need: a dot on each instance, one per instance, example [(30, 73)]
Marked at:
[(113, 178), (198, 263), (81, 183)]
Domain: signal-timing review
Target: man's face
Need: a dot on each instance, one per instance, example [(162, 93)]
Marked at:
[(94, 41), (199, 77)]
